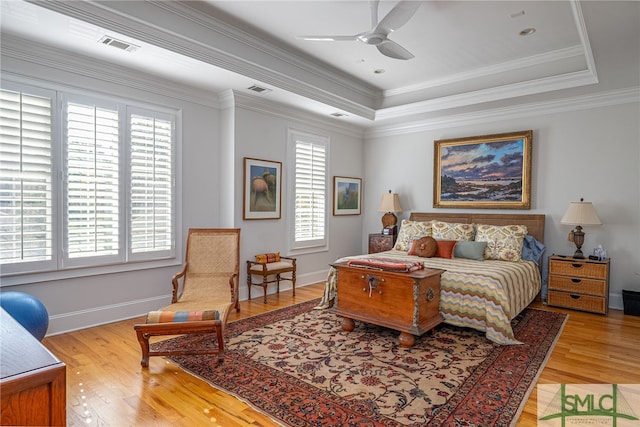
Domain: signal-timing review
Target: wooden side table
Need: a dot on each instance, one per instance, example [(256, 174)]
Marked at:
[(271, 270), (579, 284), (381, 242)]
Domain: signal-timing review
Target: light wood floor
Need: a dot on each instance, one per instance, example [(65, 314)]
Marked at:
[(107, 387)]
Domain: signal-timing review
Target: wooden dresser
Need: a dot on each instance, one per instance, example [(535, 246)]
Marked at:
[(580, 284), (32, 380), (406, 302)]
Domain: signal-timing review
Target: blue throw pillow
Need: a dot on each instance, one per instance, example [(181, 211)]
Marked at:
[(470, 250)]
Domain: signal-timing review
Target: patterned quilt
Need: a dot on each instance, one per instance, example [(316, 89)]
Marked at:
[(483, 295)]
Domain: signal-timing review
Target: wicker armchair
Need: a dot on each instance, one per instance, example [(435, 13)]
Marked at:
[(209, 290)]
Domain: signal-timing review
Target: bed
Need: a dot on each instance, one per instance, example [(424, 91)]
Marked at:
[(481, 294)]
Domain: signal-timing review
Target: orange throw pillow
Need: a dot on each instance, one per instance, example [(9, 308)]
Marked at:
[(445, 248), (267, 258), (425, 247)]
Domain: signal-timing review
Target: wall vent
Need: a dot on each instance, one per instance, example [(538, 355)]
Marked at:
[(122, 45), (259, 89)]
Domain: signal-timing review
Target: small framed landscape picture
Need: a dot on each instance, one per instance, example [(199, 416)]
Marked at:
[(262, 191), (347, 195), (490, 171)]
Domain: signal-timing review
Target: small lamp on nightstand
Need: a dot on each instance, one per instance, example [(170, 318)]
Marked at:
[(390, 203), (578, 214)]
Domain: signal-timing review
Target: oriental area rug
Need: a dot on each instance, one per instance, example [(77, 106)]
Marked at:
[(297, 366)]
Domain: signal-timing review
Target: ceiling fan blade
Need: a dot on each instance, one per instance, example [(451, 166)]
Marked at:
[(397, 17), (373, 5), (330, 38), (394, 50)]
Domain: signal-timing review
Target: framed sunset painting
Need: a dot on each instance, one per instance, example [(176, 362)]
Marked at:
[(488, 172)]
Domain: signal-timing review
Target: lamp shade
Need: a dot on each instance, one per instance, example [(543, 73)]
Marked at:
[(581, 213), (390, 202)]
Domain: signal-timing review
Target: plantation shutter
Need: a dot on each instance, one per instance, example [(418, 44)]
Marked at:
[(151, 188), (92, 173), (25, 177), (310, 190)]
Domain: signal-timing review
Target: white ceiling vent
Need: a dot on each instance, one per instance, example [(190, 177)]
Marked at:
[(259, 89), (122, 45)]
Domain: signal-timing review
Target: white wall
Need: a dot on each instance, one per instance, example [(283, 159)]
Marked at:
[(263, 135), (589, 152)]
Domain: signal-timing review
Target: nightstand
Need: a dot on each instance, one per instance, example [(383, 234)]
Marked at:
[(579, 284), (381, 242)]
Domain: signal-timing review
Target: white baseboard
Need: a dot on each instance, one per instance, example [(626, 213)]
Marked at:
[(615, 301), (82, 319), (73, 321)]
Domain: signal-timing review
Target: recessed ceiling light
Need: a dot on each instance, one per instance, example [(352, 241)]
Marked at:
[(379, 71), (527, 31)]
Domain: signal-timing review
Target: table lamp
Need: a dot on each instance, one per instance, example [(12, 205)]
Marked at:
[(578, 214), (390, 203)]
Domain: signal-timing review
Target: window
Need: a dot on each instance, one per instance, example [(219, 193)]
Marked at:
[(116, 195), (309, 154), (26, 177)]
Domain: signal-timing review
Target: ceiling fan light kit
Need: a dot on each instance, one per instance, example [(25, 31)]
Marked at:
[(401, 13)]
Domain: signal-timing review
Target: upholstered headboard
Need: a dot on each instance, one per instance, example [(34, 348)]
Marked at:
[(533, 222)]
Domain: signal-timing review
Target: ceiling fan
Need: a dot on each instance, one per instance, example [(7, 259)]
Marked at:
[(377, 35)]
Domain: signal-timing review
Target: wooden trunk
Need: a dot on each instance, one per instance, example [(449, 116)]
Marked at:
[(406, 302)]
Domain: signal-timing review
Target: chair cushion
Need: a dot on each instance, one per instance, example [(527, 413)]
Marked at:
[(268, 258), (271, 266), (181, 316)]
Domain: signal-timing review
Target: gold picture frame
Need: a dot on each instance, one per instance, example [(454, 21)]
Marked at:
[(483, 172), (262, 189)]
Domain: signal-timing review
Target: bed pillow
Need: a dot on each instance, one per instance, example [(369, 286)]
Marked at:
[(470, 250), (445, 248), (532, 250), (409, 231), (425, 247), (503, 242), (441, 230)]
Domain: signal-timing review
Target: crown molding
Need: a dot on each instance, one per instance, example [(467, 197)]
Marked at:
[(531, 87), (285, 112), (310, 65), (530, 61), (65, 61), (584, 37), (182, 29), (604, 99)]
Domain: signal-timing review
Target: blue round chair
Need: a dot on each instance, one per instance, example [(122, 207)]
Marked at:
[(28, 311)]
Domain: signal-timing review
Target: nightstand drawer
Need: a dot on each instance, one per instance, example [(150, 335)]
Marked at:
[(578, 285), (578, 302), (578, 269)]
